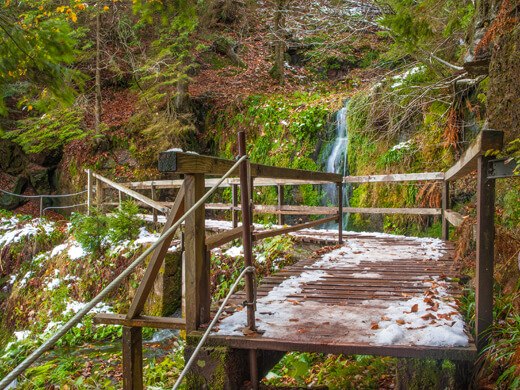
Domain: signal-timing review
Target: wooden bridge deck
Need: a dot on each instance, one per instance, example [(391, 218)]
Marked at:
[(375, 294)]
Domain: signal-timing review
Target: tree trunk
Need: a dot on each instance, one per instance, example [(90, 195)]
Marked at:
[(97, 107), (277, 71)]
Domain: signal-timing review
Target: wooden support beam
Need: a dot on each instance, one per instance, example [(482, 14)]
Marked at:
[(196, 262), (395, 177), (132, 193), (140, 321), (132, 358), (100, 194), (154, 198), (340, 213), (234, 205), (224, 237), (187, 163), (486, 140), (295, 210), (154, 266), (294, 228), (410, 211), (281, 218), (445, 206), (485, 254)]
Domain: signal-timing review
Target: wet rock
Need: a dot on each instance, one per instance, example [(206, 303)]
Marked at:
[(16, 185), (39, 179), (12, 158)]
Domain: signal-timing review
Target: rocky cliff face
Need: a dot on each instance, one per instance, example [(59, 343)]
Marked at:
[(495, 51)]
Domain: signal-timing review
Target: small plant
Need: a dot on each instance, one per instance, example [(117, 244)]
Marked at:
[(89, 230), (125, 223)]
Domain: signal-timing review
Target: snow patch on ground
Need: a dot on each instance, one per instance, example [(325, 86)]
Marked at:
[(368, 275)]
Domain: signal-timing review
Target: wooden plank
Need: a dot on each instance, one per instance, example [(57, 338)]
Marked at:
[(395, 177), (132, 358), (289, 229), (485, 254), (410, 211), (187, 163), (140, 321), (401, 351), (445, 206), (340, 212), (90, 191), (486, 140), (100, 194), (196, 263), (454, 218), (281, 201), (224, 237), (133, 194), (234, 204), (295, 210), (154, 266)]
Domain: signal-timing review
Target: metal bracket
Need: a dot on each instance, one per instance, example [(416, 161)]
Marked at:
[(502, 168)]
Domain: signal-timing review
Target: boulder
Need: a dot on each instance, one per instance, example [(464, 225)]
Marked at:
[(39, 179), (15, 185), (12, 158)]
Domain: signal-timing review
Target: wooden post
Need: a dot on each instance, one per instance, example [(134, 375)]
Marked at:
[(281, 217), (234, 201), (89, 191), (132, 358), (100, 194), (41, 206), (120, 196), (340, 213), (247, 238), (197, 271), (485, 253), (445, 206), (154, 211)]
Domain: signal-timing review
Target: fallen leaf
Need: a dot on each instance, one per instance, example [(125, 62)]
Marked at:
[(385, 318), (428, 316), (400, 322), (374, 326)]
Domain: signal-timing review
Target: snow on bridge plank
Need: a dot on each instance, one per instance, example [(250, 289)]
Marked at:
[(376, 294)]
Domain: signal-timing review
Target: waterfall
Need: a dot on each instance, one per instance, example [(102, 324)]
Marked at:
[(337, 161)]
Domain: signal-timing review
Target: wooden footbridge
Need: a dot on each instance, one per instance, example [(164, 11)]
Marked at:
[(365, 293)]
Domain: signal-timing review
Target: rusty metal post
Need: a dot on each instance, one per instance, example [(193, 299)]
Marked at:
[(281, 217), (41, 206), (445, 206), (340, 213), (485, 253), (246, 231), (246, 184), (234, 202)]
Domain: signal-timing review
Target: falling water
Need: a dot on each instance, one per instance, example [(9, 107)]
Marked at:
[(337, 160)]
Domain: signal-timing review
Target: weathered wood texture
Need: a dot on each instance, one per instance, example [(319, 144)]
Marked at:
[(132, 358), (445, 206), (281, 201), (345, 289), (486, 140), (184, 163), (294, 228), (485, 253), (140, 321), (224, 237), (411, 211), (396, 177), (132, 193), (197, 294), (154, 266)]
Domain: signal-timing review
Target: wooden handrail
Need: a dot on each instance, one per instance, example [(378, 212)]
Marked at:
[(397, 177), (294, 228), (132, 193), (486, 140), (188, 163)]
